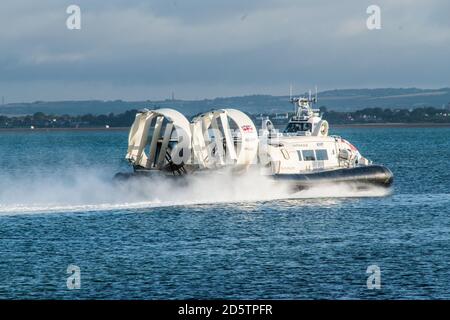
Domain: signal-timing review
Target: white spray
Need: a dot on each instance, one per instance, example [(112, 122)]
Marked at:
[(81, 189)]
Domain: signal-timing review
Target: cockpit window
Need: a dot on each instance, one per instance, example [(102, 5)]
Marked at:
[(296, 127), (292, 128)]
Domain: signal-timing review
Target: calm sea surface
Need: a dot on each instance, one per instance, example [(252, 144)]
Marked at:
[(220, 238)]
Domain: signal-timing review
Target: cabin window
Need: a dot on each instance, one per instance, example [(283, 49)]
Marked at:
[(321, 154), (308, 155), (299, 153)]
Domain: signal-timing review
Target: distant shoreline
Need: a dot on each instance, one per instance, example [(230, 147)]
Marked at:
[(350, 125), (390, 125), (64, 129)]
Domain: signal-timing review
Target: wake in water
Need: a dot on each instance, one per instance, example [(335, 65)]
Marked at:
[(79, 190)]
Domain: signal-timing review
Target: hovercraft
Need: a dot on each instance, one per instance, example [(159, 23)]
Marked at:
[(163, 143)]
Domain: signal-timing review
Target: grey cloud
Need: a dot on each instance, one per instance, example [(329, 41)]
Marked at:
[(201, 48)]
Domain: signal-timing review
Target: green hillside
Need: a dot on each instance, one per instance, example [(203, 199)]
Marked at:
[(338, 100)]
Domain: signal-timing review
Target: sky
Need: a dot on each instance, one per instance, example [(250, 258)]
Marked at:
[(139, 50)]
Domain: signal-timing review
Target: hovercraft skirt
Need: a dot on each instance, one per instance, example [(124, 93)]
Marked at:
[(373, 174)]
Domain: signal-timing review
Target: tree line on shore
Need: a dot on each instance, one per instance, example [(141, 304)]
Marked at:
[(367, 115), (379, 115)]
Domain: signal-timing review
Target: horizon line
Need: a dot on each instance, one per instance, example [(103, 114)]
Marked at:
[(215, 98)]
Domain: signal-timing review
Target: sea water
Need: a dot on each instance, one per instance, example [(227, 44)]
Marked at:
[(220, 237)]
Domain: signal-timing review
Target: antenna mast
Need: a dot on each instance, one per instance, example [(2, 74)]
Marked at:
[(316, 94)]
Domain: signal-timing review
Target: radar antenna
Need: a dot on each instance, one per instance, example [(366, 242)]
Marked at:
[(303, 106)]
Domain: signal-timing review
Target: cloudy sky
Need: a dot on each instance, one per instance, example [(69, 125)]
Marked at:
[(136, 49)]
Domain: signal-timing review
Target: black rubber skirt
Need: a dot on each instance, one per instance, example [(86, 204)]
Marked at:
[(370, 175), (360, 176)]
